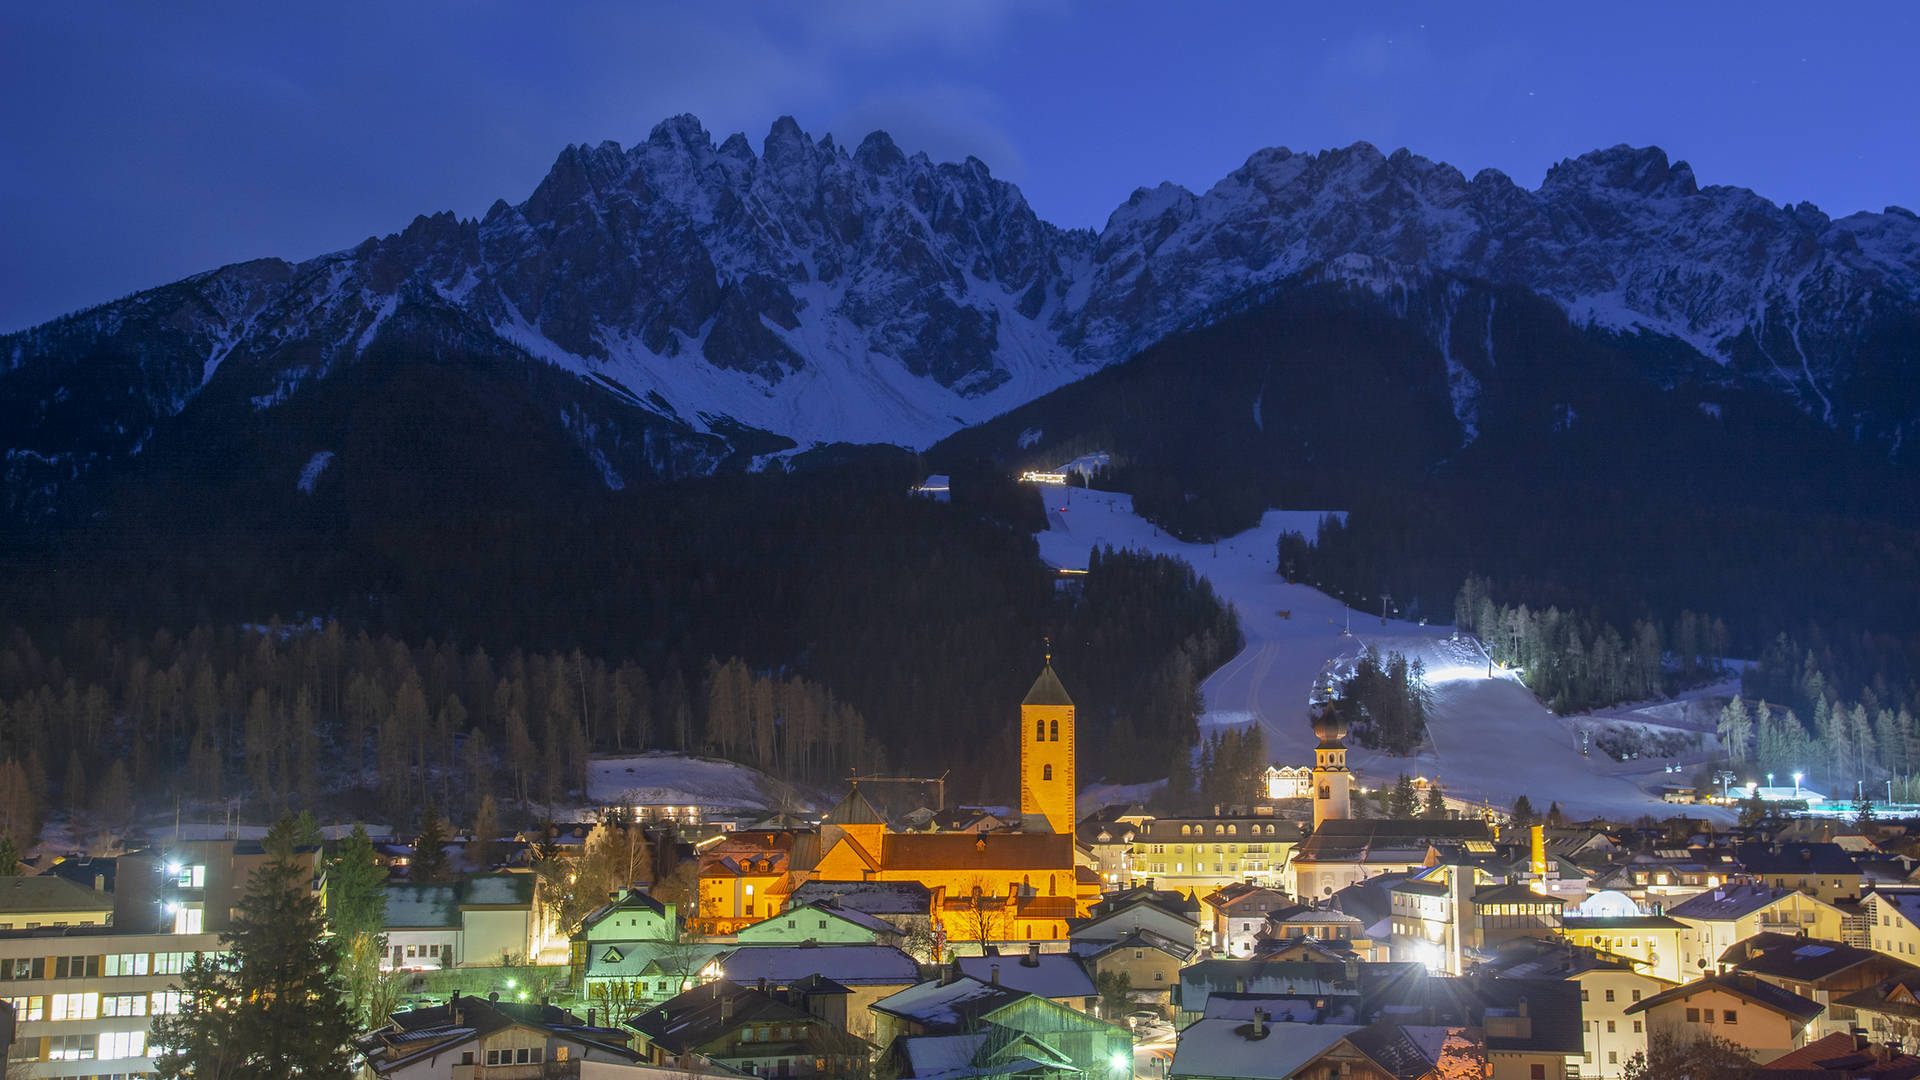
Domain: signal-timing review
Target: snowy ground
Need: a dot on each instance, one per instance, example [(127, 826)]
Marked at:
[(1492, 741), (663, 779)]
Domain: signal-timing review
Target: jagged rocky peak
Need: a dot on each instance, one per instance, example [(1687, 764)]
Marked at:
[(873, 294), (1641, 170)]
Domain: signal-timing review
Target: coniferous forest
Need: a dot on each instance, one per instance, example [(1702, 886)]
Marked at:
[(808, 624)]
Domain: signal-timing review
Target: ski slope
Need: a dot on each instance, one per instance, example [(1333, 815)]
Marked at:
[(1491, 740)]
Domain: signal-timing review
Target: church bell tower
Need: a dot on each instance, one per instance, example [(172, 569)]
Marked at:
[(1046, 755), (1332, 783)]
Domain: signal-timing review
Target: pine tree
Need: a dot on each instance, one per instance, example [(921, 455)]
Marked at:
[(1862, 812), (486, 833), (1524, 816), (356, 887), (1404, 801), (290, 832), (430, 848), (9, 856), (1179, 792), (274, 1004), (1436, 802), (1734, 727)]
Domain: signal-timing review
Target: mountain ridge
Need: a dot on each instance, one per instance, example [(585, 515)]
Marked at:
[(716, 305)]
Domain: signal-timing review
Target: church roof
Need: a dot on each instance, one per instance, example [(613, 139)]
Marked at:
[(1047, 690), (977, 851), (854, 810)]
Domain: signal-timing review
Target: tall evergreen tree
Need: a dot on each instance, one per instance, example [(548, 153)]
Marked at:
[(1436, 802), (9, 856), (1524, 816), (356, 887), (1404, 802), (1179, 791), (1862, 812), (430, 847), (274, 1005), (291, 832)]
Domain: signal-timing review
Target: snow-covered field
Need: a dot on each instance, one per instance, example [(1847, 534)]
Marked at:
[(1492, 741), (664, 779)]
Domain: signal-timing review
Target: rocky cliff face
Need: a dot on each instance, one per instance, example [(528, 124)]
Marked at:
[(811, 293)]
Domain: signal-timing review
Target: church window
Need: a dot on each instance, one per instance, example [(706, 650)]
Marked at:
[(1056, 732), (1039, 731), (1218, 829), (1233, 830), (1185, 829), (1046, 772), (1053, 885)]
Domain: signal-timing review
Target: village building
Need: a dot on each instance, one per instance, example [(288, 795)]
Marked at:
[(986, 886), (1889, 1010), (31, 902), (1150, 963), (88, 993), (1761, 1019), (470, 1037), (1238, 913), (1721, 916), (1257, 1049), (959, 1026), (1842, 1056), (1823, 870), (1445, 919), (1058, 977), (1822, 971), (1288, 782), (749, 1030), (1201, 854), (860, 974), (1608, 986), (820, 924), (1893, 921), (1652, 942), (481, 919)]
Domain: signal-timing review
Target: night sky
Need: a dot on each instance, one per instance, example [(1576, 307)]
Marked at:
[(141, 145)]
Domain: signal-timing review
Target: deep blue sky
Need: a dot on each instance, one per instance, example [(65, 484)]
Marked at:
[(138, 145)]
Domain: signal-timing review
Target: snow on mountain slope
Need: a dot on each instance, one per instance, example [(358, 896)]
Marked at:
[(1486, 732), (824, 294)]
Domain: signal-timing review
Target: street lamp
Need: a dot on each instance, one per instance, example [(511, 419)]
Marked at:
[(1796, 785)]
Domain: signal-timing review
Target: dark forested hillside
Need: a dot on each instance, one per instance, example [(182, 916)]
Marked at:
[(1585, 483), (463, 647)]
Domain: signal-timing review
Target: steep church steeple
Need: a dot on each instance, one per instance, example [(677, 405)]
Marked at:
[(1046, 754), (1331, 780)]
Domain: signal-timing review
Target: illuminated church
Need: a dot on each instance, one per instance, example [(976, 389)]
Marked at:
[(1015, 885)]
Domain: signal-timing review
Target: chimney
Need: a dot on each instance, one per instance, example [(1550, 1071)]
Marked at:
[(590, 1013), (1259, 1023), (994, 971), (726, 1007), (1032, 959)]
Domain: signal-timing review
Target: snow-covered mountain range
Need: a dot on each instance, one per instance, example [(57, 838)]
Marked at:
[(702, 293)]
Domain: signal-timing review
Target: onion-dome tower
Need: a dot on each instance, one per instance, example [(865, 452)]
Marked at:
[(1331, 780)]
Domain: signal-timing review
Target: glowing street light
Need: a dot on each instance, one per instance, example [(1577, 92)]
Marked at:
[(1796, 785)]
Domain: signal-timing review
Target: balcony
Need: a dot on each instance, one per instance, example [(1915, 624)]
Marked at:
[(546, 1070)]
